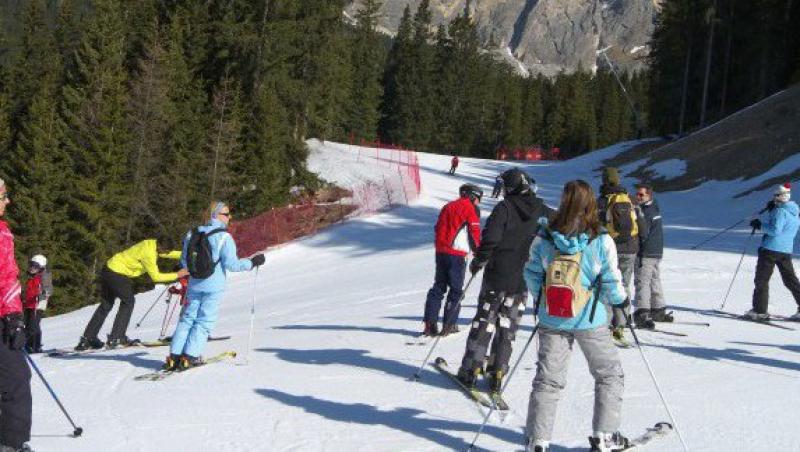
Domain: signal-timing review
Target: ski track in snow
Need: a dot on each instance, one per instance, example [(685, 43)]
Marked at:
[(329, 368)]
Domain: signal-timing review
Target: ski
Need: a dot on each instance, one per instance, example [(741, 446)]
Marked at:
[(63, 352), (497, 399), (669, 333), (782, 318), (657, 431), (683, 322), (162, 374), (421, 339), (441, 365), (747, 319), (168, 340)]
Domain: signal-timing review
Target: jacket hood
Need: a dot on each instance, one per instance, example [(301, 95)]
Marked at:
[(607, 189), (565, 244), (791, 206), (525, 203)]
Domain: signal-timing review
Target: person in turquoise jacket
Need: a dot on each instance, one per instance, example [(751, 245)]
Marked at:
[(204, 295), (779, 224), (575, 229)]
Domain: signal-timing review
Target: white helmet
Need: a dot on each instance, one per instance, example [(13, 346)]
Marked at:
[(39, 260)]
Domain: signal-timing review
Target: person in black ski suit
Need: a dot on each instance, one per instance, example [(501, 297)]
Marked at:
[(505, 242), (498, 186)]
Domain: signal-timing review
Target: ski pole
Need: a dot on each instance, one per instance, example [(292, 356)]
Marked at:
[(726, 229), (252, 320), (505, 385), (658, 387), (418, 373), (168, 319), (78, 431), (139, 323), (738, 266)]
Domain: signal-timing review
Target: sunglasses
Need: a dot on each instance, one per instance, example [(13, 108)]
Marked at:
[(641, 195), (225, 214)]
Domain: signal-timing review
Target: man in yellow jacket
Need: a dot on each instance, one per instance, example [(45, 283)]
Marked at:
[(116, 281)]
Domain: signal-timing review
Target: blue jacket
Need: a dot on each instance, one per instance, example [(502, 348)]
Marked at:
[(780, 226), (599, 259), (223, 250)]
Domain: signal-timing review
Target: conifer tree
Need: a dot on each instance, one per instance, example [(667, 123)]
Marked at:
[(367, 62)]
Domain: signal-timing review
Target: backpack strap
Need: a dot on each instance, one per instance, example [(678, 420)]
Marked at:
[(221, 242), (595, 289)]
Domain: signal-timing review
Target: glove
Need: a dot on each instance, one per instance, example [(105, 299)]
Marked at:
[(258, 260), (770, 205), (756, 224), (476, 265), (14, 331)]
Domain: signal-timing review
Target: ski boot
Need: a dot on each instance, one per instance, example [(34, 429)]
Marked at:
[(468, 378), (121, 342), (89, 343), (537, 446), (187, 362), (795, 316), (496, 381), (172, 362), (449, 329), (24, 448), (756, 316), (643, 320), (618, 333), (608, 442), (431, 328), (661, 315)]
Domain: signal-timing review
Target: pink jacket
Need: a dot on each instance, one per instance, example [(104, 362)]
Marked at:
[(10, 301)]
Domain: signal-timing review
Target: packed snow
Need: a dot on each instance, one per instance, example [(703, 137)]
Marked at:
[(329, 365)]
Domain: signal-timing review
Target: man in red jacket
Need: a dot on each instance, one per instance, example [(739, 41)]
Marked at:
[(15, 376), (458, 231), (453, 164)]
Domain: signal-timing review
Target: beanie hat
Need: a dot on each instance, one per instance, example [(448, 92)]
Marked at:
[(610, 176), (783, 192), (39, 260)]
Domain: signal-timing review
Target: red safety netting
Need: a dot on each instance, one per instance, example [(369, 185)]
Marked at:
[(395, 181)]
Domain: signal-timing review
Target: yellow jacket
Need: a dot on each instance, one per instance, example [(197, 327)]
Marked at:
[(142, 258)]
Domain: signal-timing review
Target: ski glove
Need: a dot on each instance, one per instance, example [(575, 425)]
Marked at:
[(14, 331), (476, 265), (770, 205), (258, 260), (756, 224)]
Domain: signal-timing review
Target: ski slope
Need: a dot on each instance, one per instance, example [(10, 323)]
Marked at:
[(329, 366)]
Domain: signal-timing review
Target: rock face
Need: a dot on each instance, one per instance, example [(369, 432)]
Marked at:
[(548, 36)]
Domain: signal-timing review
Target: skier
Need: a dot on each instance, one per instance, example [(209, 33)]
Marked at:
[(457, 231), (116, 281), (15, 376), (204, 293), (37, 292), (624, 222), (649, 301), (572, 267), (453, 164), (780, 224), (498, 186), (504, 247)]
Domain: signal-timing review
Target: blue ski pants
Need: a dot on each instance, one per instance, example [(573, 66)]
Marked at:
[(196, 322), (450, 271)]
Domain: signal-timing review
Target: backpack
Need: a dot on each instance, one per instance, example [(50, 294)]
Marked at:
[(200, 259), (620, 217), (564, 294)]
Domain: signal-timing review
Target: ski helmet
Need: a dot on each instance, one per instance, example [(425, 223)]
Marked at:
[(39, 260), (470, 190), (515, 182)]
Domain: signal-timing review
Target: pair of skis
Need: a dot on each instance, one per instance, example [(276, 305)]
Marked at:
[(64, 352), (771, 321), (162, 374)]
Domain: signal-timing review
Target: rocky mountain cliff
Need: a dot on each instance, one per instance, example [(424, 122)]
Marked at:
[(547, 36)]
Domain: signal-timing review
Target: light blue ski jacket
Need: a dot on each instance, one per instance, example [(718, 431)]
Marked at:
[(780, 227), (223, 249), (599, 259)]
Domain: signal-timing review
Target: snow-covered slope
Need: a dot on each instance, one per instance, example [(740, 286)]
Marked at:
[(329, 369)]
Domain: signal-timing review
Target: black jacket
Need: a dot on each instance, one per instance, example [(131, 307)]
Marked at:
[(506, 241), (652, 242), (627, 245)]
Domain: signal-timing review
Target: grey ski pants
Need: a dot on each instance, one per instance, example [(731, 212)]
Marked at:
[(618, 316), (649, 294), (551, 377)]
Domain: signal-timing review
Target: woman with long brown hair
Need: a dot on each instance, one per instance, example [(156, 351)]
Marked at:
[(572, 267)]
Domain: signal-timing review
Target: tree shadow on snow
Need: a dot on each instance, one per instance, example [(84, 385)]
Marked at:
[(358, 358), (135, 359), (730, 354), (368, 329), (402, 419)]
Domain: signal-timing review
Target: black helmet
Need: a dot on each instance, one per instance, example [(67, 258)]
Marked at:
[(516, 182), (471, 190)]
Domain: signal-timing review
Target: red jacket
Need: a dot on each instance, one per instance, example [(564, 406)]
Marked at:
[(33, 288), (10, 302), (454, 162), (458, 229)]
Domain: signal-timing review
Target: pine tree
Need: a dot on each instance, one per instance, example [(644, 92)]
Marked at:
[(394, 119), (224, 141), (367, 62)]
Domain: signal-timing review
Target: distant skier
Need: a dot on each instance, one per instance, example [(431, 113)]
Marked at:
[(204, 291), (457, 232), (37, 293), (572, 267), (498, 186), (649, 301), (624, 222), (780, 224), (116, 281), (504, 247), (453, 164), (15, 375)]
